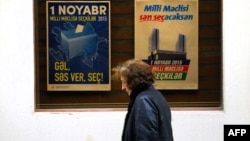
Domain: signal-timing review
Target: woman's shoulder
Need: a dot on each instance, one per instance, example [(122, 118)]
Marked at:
[(147, 94)]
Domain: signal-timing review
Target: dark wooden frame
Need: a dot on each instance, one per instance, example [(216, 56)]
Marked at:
[(209, 93)]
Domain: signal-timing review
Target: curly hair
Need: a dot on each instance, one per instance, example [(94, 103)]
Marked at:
[(136, 72)]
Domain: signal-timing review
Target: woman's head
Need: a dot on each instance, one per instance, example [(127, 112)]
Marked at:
[(134, 72)]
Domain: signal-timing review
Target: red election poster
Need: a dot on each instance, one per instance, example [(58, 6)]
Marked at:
[(78, 45), (166, 37)]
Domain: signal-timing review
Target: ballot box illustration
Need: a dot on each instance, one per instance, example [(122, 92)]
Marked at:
[(81, 41)]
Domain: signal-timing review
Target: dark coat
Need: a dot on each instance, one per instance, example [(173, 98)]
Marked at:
[(148, 117)]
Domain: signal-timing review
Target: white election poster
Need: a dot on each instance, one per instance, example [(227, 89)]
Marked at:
[(166, 37)]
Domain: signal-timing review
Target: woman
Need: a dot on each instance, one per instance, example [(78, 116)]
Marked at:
[(149, 116)]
